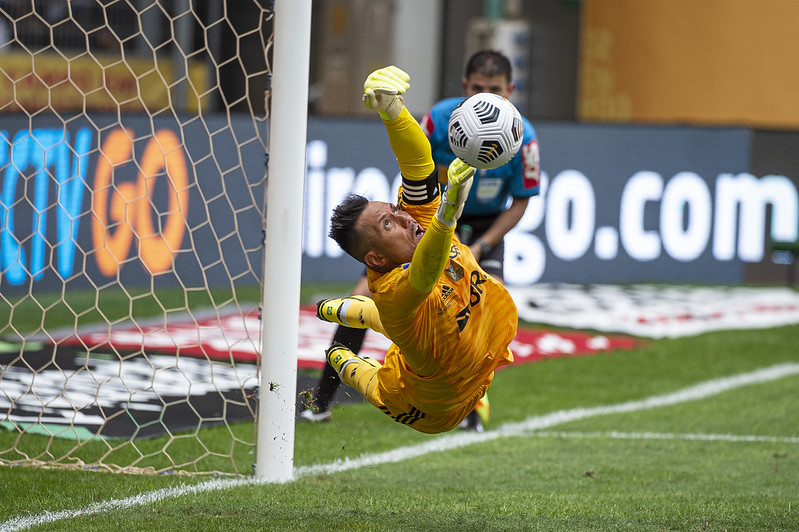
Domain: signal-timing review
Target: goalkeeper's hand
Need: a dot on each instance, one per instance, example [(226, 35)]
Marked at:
[(459, 181), (382, 90)]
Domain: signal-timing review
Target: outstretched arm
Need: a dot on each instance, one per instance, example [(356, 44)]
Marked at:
[(382, 92), (432, 253), (501, 226)]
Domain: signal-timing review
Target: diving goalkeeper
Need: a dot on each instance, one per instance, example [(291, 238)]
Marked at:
[(450, 322)]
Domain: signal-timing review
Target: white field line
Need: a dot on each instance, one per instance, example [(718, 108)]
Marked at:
[(613, 435), (537, 423), (531, 426)]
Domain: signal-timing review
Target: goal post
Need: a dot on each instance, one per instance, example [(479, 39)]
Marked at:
[(133, 137), (283, 257)]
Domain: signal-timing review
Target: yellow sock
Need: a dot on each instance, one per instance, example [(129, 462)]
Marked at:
[(356, 312), (361, 374)]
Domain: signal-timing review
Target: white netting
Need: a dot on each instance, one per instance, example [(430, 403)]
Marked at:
[(132, 163)]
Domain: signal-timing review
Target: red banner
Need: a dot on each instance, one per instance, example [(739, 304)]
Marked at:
[(236, 337)]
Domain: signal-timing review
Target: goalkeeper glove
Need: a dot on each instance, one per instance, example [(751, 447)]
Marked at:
[(382, 90), (459, 181)]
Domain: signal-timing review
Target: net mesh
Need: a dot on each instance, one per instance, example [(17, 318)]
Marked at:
[(133, 136)]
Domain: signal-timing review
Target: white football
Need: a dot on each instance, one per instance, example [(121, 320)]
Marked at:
[(485, 131)]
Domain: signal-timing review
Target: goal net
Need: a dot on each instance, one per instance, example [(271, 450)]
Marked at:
[(133, 136)]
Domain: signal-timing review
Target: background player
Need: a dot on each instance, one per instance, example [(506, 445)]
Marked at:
[(487, 217)]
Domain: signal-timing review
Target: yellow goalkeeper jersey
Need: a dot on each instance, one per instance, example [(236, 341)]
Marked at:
[(446, 342)]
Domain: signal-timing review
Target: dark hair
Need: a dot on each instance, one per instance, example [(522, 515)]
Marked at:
[(342, 226), (489, 63)]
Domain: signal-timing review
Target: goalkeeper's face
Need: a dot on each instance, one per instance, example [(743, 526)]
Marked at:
[(392, 235)]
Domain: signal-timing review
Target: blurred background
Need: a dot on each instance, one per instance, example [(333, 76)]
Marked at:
[(717, 62)]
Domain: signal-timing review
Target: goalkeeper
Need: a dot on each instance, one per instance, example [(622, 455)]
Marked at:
[(450, 323)]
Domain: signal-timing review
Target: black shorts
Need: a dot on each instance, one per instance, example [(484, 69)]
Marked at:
[(471, 228)]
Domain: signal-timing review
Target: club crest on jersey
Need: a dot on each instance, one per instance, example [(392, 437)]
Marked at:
[(454, 271)]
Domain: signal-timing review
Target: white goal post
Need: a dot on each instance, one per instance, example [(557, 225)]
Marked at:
[(283, 261), (133, 228)]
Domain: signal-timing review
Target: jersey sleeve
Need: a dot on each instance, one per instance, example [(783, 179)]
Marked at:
[(421, 199), (527, 166), (435, 125), (410, 147), (431, 256)]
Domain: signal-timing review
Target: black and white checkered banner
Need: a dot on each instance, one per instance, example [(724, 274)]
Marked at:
[(656, 311), (67, 392)]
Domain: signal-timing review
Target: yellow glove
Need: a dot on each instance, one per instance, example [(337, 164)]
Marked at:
[(382, 90), (459, 182)]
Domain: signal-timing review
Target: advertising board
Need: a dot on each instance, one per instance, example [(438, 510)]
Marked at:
[(180, 202), (147, 202)]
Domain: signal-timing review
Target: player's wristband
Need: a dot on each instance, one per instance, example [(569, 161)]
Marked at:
[(485, 249)]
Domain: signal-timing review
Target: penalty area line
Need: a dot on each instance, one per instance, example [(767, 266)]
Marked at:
[(531, 426)]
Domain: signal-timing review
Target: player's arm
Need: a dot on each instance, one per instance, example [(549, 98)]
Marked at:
[(524, 184), (383, 90), (506, 221), (432, 253)]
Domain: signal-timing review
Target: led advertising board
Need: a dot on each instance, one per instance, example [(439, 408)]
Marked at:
[(168, 201)]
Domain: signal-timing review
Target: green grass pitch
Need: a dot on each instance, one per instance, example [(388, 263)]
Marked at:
[(728, 461)]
